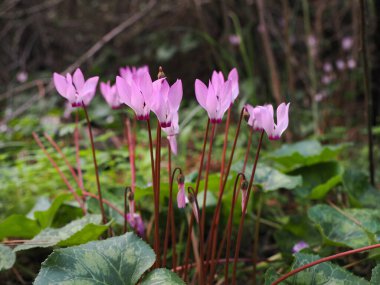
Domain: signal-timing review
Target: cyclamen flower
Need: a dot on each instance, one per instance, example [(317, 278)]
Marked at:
[(75, 89), (300, 246), (136, 222), (253, 114), (166, 100), (109, 93), (266, 120), (216, 98), (181, 196), (136, 93), (130, 72), (171, 133)]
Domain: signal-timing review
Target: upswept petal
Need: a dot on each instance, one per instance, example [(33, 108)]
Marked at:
[(282, 118), (212, 103), (137, 101), (265, 119), (124, 91), (173, 144), (146, 86), (89, 87), (225, 97), (181, 196), (249, 108), (201, 93), (234, 77), (60, 84), (78, 79), (105, 89), (175, 96)]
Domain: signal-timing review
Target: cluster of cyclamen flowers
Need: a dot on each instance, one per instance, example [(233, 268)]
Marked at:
[(135, 88)]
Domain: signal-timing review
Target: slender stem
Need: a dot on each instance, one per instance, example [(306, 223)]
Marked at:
[(324, 259), (229, 226), (248, 149), (188, 242), (225, 143), (77, 157), (125, 210), (157, 200), (203, 217), (132, 160), (222, 186), (95, 165), (240, 232), (368, 94), (256, 236), (170, 216), (63, 177)]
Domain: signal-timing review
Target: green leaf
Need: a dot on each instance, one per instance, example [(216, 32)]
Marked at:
[(78, 231), (323, 273), (269, 178), (304, 153), (375, 277), (18, 226), (270, 276), (162, 277), (7, 257), (45, 218), (318, 179), (361, 192), (118, 260), (356, 228)]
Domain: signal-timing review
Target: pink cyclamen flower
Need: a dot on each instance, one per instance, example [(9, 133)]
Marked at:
[(166, 100), (347, 43), (129, 72), (181, 196), (234, 40), (351, 63), (253, 115), (75, 89), (171, 133), (266, 119), (327, 67), (300, 246), (109, 93), (340, 64), (136, 222), (136, 93), (216, 98)]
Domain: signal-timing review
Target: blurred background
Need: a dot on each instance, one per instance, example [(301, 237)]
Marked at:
[(305, 52)]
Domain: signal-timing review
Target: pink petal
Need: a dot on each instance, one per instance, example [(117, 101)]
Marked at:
[(234, 77), (60, 84), (89, 86), (225, 97), (212, 103), (137, 101), (282, 118), (201, 93), (78, 79), (173, 143), (146, 86), (175, 96), (124, 90), (181, 196), (265, 119)]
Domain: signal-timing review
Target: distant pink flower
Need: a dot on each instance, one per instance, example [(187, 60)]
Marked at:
[(243, 198), (109, 93), (75, 89), (347, 43), (320, 96), (166, 100), (266, 119), (327, 67), (300, 246), (340, 64), (22, 76), (253, 114), (181, 196), (171, 133), (137, 223), (129, 72), (234, 40), (218, 96), (326, 79), (351, 63), (312, 41), (137, 93)]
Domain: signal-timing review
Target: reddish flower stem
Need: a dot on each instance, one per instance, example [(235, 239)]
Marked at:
[(95, 165), (125, 211), (188, 241), (241, 224), (63, 177), (222, 186), (157, 200), (77, 157), (203, 217), (229, 226), (132, 160), (170, 219), (324, 259)]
